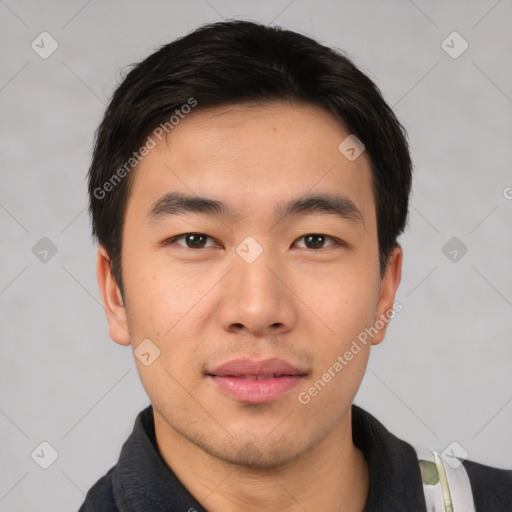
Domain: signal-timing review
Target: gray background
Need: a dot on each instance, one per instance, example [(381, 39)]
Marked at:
[(444, 372)]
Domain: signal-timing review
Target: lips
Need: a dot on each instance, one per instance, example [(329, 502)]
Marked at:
[(250, 381), (252, 369)]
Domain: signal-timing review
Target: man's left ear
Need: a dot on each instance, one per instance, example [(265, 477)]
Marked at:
[(388, 287)]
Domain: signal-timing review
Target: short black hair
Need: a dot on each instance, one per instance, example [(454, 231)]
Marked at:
[(238, 62)]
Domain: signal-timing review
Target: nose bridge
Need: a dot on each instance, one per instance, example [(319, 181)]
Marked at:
[(253, 262), (252, 270), (256, 298)]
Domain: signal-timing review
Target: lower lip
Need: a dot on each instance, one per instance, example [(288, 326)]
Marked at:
[(256, 391)]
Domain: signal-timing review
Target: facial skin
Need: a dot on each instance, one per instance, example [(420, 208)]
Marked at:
[(206, 306)]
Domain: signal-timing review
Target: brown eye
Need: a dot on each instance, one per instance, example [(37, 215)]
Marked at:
[(314, 241), (192, 240), (195, 240), (317, 241)]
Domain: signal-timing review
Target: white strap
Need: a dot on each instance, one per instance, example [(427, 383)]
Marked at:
[(446, 485)]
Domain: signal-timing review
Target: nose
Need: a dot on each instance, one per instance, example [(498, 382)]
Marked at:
[(257, 298)]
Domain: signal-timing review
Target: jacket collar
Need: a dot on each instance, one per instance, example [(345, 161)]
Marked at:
[(142, 480), (395, 476)]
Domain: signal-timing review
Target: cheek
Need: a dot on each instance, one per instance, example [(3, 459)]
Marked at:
[(162, 305), (157, 296), (341, 355), (160, 308), (346, 304)]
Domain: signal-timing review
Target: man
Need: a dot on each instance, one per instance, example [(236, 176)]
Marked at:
[(247, 190)]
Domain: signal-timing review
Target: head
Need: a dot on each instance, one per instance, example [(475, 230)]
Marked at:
[(247, 190)]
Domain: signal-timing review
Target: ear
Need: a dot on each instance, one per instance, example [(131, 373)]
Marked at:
[(388, 287), (112, 300)]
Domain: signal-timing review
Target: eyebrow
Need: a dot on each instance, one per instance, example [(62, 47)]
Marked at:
[(176, 203)]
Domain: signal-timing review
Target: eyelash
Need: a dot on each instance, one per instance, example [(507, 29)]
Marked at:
[(336, 241)]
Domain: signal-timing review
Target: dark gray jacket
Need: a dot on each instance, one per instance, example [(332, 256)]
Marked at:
[(142, 482)]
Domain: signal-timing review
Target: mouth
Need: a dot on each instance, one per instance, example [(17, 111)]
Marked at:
[(255, 382)]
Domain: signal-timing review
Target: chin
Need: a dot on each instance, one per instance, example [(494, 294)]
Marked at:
[(258, 453)]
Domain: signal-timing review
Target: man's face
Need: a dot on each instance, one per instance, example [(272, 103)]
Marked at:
[(249, 286)]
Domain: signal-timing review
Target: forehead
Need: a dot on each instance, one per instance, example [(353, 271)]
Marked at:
[(251, 155)]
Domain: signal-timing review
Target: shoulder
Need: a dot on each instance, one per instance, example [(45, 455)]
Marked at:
[(100, 497), (491, 487)]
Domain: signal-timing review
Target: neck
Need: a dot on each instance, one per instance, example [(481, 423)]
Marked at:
[(331, 476)]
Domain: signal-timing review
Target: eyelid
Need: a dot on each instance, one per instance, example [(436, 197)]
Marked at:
[(172, 239), (336, 241)]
